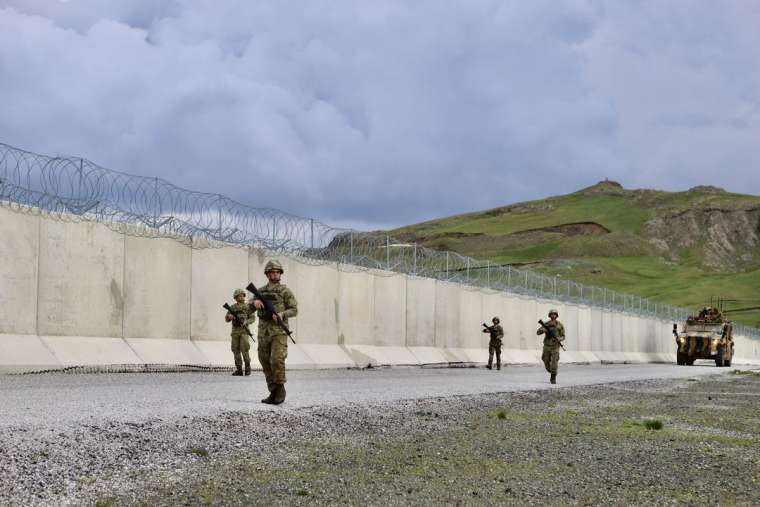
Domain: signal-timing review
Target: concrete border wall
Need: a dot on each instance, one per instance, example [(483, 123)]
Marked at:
[(80, 294)]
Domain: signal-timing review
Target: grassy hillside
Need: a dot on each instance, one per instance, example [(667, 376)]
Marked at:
[(680, 248)]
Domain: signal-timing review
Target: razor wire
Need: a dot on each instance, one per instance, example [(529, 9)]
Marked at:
[(76, 189)]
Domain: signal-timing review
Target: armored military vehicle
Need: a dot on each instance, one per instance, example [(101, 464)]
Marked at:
[(706, 335)]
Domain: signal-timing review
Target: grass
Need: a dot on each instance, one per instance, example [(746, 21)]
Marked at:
[(199, 452), (476, 458), (609, 211), (653, 424), (622, 260)]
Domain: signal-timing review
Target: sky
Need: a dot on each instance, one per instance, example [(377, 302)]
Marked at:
[(376, 114)]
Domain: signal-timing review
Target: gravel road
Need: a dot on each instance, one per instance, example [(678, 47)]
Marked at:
[(385, 436)]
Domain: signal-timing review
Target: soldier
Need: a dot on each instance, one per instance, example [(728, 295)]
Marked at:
[(494, 344), (555, 334), (273, 342), (240, 344)]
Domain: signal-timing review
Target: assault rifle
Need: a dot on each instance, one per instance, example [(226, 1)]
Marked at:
[(551, 333), (489, 329), (270, 311), (236, 320)]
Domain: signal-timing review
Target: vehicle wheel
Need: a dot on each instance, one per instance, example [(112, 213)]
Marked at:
[(719, 357), (689, 361), (680, 358), (727, 360)]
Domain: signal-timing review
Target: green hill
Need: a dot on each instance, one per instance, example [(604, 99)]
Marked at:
[(680, 248)]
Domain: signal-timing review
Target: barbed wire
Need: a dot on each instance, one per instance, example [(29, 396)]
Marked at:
[(73, 189)]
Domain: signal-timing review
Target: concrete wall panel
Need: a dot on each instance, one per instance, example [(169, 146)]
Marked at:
[(446, 315), (316, 290), (597, 329), (389, 314), (569, 319), (529, 315), (157, 300), (356, 295), (19, 246), (511, 322), (470, 320), (216, 273), (584, 328), (81, 280), (420, 312)]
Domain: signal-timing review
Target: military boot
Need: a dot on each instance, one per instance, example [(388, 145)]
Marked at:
[(489, 366), (238, 372), (553, 378), (247, 369), (269, 399), (279, 394), (498, 366)]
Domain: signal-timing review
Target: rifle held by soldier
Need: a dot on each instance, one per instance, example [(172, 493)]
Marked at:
[(271, 312), (489, 329), (236, 320), (551, 333)]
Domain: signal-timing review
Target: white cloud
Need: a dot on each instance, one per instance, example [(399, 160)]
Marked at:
[(388, 112)]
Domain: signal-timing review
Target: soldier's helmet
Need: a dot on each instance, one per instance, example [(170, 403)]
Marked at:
[(554, 312), (273, 266), (495, 320), (238, 292)]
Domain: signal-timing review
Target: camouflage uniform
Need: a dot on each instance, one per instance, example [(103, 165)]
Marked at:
[(550, 355), (273, 342), (494, 345), (240, 344)]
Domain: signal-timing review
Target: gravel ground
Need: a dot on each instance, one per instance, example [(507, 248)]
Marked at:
[(569, 445)]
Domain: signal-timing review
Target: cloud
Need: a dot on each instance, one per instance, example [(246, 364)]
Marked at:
[(384, 113)]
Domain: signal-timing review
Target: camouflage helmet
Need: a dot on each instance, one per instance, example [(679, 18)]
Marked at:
[(273, 266), (238, 292), (553, 311), (495, 320)]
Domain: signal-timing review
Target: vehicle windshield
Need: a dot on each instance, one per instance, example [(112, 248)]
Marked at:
[(713, 328)]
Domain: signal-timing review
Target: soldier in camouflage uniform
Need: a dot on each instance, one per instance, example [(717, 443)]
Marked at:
[(494, 344), (552, 340), (273, 342), (240, 343)]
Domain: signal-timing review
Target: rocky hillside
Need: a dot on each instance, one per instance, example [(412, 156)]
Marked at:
[(679, 247)]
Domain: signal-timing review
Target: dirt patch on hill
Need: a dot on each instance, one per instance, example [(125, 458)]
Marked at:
[(573, 229)]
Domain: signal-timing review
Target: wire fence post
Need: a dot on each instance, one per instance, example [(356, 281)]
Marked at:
[(414, 268), (219, 214), (387, 253), (312, 233), (447, 264), (351, 248), (468, 269), (79, 189), (156, 210), (488, 274)]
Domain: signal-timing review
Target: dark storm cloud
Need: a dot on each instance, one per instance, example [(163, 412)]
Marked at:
[(383, 113)]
